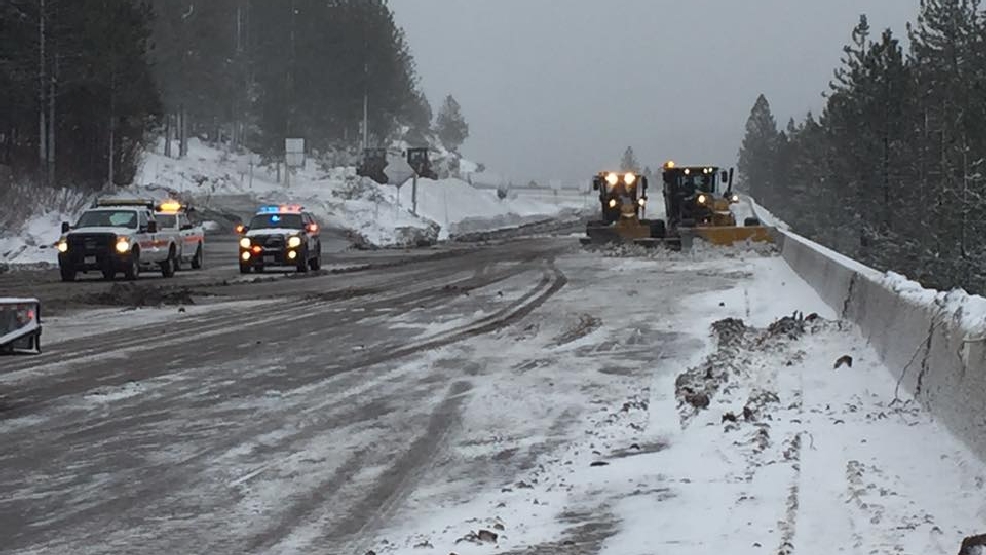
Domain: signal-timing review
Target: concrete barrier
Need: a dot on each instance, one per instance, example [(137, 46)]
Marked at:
[(933, 342)]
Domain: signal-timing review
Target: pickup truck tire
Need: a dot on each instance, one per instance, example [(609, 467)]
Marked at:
[(244, 269), (68, 274), (168, 266), (198, 259), (108, 275), (303, 263), (133, 272)]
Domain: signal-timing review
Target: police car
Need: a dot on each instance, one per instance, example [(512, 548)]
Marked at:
[(116, 236), (285, 235), (172, 219)]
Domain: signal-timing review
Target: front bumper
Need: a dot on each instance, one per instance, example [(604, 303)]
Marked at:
[(86, 260), (270, 257)]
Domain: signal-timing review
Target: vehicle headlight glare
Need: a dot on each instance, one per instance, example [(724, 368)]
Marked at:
[(294, 242), (63, 246), (122, 245), (612, 179), (292, 255), (702, 199), (245, 255), (612, 203), (245, 243), (629, 178), (735, 198)]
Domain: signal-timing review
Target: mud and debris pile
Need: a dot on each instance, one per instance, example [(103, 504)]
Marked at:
[(735, 347), (700, 251), (696, 387), (140, 296)]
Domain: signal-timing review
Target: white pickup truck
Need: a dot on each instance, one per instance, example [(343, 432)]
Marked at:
[(116, 236), (172, 219)]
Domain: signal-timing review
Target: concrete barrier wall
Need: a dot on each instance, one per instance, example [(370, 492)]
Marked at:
[(933, 342)]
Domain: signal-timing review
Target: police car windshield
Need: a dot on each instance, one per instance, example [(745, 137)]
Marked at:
[(276, 221), (108, 218), (165, 221)]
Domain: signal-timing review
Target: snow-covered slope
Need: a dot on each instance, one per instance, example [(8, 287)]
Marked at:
[(379, 214)]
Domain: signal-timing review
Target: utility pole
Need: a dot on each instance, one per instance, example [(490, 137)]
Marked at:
[(414, 194)]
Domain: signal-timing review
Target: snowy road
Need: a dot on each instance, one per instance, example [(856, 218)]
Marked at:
[(515, 398)]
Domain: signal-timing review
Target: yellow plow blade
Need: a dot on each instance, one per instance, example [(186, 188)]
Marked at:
[(733, 235)]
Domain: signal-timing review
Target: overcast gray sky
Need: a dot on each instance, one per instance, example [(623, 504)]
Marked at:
[(559, 88)]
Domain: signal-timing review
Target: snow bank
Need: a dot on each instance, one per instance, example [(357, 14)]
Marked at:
[(933, 341), (34, 242), (458, 207), (377, 214)]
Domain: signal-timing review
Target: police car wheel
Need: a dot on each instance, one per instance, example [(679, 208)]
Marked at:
[(198, 259)]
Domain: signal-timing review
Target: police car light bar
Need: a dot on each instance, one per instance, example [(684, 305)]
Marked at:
[(123, 202), (282, 209)]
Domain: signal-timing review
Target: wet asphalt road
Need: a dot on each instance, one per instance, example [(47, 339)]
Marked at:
[(243, 429)]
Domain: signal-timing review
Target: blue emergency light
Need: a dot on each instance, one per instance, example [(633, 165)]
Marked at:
[(281, 209)]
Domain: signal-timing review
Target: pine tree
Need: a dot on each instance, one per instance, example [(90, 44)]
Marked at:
[(757, 155), (629, 161), (450, 125)]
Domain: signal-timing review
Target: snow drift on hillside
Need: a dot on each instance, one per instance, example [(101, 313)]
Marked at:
[(375, 213), (30, 237), (459, 208)]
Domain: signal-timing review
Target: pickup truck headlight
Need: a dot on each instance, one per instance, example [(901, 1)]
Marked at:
[(122, 245), (245, 243), (62, 245), (294, 242)]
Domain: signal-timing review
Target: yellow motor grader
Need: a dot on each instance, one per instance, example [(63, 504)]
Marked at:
[(696, 206), (622, 196)]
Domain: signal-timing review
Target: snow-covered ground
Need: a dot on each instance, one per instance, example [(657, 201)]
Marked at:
[(826, 459)]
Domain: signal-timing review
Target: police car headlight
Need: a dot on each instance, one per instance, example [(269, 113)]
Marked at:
[(294, 242), (122, 245), (245, 243), (63, 246)]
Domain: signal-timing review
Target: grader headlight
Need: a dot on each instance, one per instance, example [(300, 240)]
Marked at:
[(629, 178), (612, 179)]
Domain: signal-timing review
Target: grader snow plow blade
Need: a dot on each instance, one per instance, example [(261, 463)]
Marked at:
[(727, 236)]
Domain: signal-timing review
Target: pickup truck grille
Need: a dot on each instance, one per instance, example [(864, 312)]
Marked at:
[(90, 242), (269, 241)]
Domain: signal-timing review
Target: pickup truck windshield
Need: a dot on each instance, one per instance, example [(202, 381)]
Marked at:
[(166, 221), (108, 218), (276, 221)]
